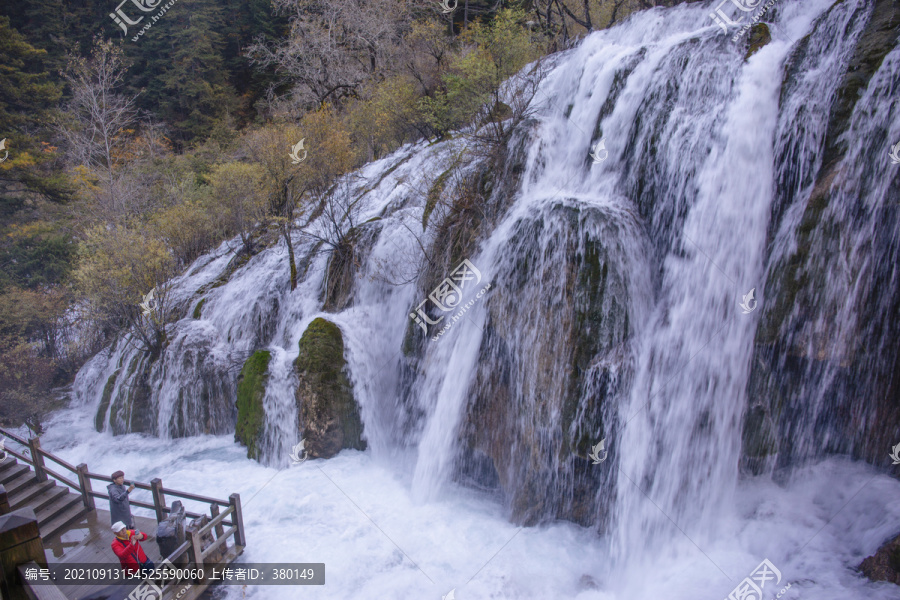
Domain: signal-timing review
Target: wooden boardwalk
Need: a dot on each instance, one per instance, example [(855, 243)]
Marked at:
[(73, 531), (88, 542)]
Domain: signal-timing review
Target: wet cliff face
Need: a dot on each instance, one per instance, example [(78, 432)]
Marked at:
[(825, 373), (553, 361)]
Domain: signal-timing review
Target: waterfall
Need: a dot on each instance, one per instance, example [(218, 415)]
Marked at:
[(682, 423), (616, 284)]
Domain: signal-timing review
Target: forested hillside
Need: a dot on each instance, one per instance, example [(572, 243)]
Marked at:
[(142, 134)]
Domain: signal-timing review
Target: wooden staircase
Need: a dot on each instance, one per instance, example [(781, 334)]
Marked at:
[(55, 506), (63, 501)]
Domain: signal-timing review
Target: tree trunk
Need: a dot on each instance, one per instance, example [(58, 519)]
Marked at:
[(293, 265)]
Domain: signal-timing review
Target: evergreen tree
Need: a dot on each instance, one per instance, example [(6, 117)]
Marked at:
[(27, 102), (179, 67), (248, 21), (57, 26)]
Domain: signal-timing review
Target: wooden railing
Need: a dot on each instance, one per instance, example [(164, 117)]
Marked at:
[(83, 486), (191, 555)]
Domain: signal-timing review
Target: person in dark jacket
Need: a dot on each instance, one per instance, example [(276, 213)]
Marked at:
[(127, 547), (119, 508)]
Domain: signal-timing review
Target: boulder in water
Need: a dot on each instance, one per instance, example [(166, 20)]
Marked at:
[(884, 565), (329, 415)]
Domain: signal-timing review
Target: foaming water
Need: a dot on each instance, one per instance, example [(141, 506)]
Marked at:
[(360, 518)]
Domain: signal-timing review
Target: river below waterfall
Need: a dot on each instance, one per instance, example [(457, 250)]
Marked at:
[(359, 517)]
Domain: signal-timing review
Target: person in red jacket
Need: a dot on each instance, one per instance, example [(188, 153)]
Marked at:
[(127, 547)]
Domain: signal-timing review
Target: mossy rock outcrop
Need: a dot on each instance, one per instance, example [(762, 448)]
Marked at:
[(329, 415), (759, 37), (199, 308), (250, 393), (434, 194)]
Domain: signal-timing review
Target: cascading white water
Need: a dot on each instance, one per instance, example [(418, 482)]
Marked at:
[(694, 362), (681, 210)]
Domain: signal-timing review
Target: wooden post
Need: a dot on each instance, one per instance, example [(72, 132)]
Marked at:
[(159, 499), (237, 518), (84, 482), (20, 542), (196, 548), (34, 444), (4, 501), (220, 530)]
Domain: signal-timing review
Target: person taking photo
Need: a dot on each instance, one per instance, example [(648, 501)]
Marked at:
[(127, 547)]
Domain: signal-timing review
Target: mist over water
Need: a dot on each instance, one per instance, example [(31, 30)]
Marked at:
[(682, 208)]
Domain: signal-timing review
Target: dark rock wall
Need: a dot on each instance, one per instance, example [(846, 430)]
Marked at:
[(825, 379)]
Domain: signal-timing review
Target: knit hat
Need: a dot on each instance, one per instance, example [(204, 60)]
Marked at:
[(118, 474)]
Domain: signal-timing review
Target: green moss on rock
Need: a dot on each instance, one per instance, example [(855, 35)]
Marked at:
[(759, 37), (328, 411), (250, 393), (132, 409), (100, 417), (198, 308)]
